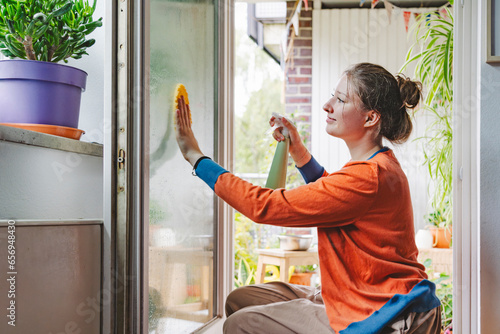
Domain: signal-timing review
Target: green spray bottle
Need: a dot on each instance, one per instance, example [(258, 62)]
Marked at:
[(277, 174)]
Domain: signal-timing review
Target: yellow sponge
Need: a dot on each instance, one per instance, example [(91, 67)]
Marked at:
[(180, 90)]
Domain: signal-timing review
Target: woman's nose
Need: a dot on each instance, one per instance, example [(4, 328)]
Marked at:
[(328, 107)]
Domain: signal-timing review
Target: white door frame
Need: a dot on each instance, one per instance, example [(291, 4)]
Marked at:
[(466, 77)]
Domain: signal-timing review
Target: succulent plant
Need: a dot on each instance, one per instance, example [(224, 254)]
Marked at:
[(46, 30)]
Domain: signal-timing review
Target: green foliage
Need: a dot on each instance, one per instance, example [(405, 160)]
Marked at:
[(438, 153), (310, 268), (434, 35), (244, 274), (444, 291), (254, 146), (438, 218), (245, 256), (46, 30)]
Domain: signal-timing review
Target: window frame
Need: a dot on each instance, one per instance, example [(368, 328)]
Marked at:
[(127, 165)]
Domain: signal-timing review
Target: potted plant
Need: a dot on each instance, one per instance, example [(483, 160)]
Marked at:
[(302, 275), (440, 228), (41, 33), (434, 34)]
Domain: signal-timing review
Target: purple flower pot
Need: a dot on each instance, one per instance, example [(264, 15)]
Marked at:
[(40, 92)]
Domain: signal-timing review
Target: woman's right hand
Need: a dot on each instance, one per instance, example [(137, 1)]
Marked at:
[(298, 150), (184, 133)]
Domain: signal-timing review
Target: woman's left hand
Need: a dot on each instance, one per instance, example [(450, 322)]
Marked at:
[(297, 149), (184, 134)]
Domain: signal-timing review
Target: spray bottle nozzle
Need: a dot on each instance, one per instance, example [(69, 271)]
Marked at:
[(278, 123)]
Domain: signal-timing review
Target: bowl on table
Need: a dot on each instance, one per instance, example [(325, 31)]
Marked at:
[(295, 242)]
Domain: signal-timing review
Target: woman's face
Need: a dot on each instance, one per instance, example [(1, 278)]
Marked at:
[(345, 118)]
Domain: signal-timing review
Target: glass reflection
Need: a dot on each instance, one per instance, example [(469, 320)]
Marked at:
[(182, 215)]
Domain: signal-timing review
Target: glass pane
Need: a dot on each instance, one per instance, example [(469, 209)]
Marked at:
[(182, 213)]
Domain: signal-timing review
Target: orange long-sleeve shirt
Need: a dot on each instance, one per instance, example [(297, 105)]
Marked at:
[(366, 242)]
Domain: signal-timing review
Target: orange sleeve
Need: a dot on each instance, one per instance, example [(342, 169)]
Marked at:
[(338, 199)]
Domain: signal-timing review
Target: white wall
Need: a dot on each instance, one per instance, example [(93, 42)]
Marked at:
[(342, 37), (489, 188), (91, 111), (42, 183)]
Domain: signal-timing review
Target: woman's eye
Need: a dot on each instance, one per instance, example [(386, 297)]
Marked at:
[(338, 98)]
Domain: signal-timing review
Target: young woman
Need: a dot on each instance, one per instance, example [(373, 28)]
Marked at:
[(371, 281)]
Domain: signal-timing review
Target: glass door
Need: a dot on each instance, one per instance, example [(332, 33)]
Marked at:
[(182, 209)]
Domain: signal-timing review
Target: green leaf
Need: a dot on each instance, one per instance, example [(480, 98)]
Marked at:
[(86, 44), (31, 28), (11, 45), (63, 10), (40, 17), (18, 12), (90, 27), (7, 53), (40, 31), (10, 26)]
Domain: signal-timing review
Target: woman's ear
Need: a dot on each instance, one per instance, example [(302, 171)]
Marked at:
[(372, 118)]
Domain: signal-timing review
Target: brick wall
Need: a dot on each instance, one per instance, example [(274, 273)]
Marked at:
[(298, 73)]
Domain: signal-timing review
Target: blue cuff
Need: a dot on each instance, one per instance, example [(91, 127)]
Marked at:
[(421, 298), (311, 171), (209, 171)]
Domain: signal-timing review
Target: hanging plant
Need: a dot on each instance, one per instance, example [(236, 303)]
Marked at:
[(432, 54)]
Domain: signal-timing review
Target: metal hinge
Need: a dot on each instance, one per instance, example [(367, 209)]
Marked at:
[(121, 159)]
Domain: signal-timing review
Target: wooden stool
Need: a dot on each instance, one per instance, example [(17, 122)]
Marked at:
[(284, 259)]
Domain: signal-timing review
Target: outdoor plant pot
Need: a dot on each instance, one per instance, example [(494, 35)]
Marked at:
[(301, 278), (38, 92), (441, 236)]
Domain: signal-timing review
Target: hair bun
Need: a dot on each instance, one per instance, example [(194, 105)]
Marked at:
[(411, 91)]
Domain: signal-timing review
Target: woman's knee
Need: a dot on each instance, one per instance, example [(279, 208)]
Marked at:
[(249, 295), (235, 300), (232, 325), (244, 321)]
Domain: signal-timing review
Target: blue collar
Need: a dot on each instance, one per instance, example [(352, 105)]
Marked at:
[(383, 149)]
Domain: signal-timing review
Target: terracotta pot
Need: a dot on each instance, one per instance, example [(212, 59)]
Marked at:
[(301, 278), (441, 237)]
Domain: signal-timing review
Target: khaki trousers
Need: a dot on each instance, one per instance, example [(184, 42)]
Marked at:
[(281, 308)]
